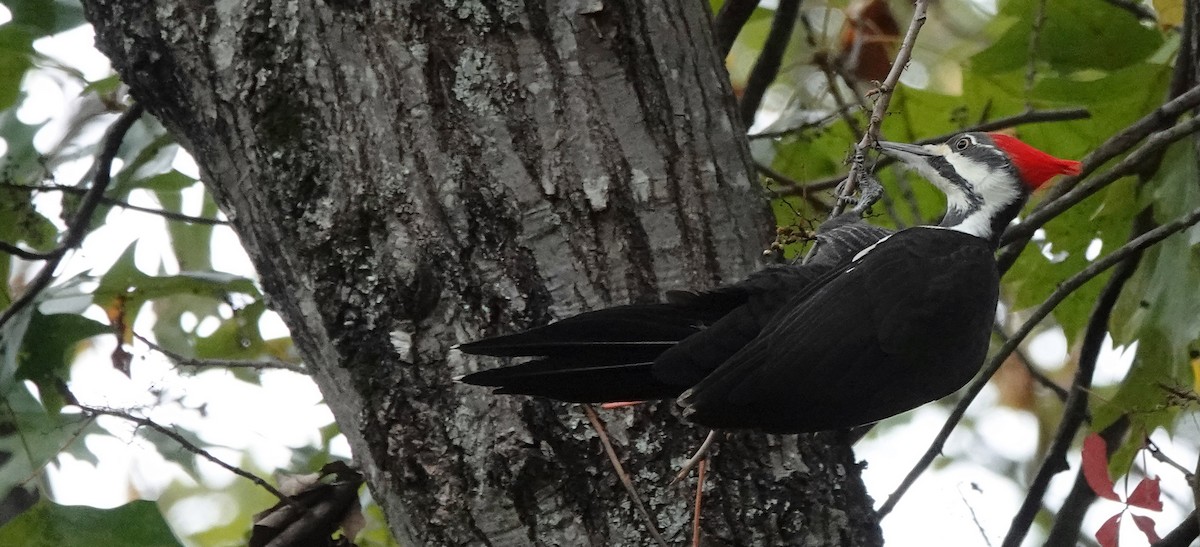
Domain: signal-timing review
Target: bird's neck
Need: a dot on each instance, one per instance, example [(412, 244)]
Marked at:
[(984, 217)]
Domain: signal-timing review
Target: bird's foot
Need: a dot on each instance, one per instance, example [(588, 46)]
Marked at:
[(869, 192)]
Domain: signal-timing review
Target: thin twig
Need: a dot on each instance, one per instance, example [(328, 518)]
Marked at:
[(622, 475), (881, 106), (1076, 407), (695, 459), (1036, 374), (1064, 289), (78, 227), (169, 215), (1035, 34), (1157, 453), (187, 445), (183, 360), (974, 517), (843, 106)]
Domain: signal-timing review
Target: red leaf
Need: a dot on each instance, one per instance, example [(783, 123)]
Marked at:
[(1107, 534), (1146, 525), (1095, 467), (1147, 495)]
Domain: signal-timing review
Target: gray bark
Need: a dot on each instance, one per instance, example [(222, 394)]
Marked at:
[(409, 175)]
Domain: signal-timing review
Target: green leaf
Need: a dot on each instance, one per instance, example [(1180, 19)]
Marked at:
[(47, 524), (33, 437), (103, 86), (1160, 306), (22, 163), (16, 47), (49, 349), (1113, 39), (20, 221), (1105, 216), (125, 281)]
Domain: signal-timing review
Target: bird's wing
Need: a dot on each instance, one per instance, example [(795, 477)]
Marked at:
[(760, 297), (906, 324)]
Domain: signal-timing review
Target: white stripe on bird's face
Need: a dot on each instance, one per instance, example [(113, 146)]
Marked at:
[(977, 180)]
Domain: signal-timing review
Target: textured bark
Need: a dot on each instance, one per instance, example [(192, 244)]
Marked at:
[(409, 175)]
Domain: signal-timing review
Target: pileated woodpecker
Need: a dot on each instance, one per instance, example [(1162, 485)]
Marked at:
[(877, 324)]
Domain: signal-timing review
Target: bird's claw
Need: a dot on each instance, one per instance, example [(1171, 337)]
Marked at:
[(869, 192)]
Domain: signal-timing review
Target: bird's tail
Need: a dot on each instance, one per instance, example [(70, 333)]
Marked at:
[(599, 356)]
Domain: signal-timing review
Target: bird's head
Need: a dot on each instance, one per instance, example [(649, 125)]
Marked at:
[(985, 176)]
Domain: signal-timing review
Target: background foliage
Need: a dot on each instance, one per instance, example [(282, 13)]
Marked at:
[(170, 308)]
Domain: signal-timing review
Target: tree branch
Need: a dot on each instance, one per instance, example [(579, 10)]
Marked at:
[(647, 519), (187, 445), (83, 218), (1064, 289), (766, 67), (729, 21), (169, 215), (1036, 374), (881, 106), (1076, 407), (1069, 518), (183, 360), (1051, 208)]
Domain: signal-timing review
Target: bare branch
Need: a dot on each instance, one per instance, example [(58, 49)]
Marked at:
[(881, 105), (83, 218), (766, 67), (169, 215), (1064, 289), (729, 21), (1069, 516), (1035, 34), (1036, 374), (647, 519), (183, 360), (187, 445)]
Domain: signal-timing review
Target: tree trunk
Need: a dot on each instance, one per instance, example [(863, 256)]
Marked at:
[(410, 175)]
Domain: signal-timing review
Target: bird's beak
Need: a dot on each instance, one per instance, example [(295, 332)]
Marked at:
[(905, 152)]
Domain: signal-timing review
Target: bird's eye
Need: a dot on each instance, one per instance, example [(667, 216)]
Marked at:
[(963, 143)]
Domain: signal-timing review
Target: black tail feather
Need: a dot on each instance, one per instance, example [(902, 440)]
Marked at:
[(577, 381), (600, 356), (641, 329)]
